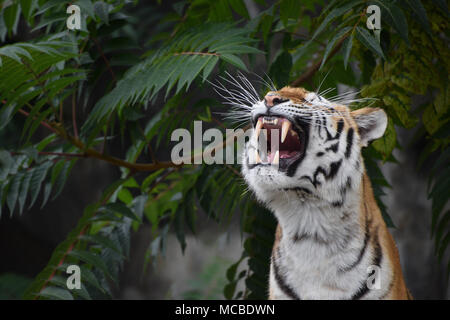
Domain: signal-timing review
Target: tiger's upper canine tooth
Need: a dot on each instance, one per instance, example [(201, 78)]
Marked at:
[(276, 158), (258, 127), (285, 129)]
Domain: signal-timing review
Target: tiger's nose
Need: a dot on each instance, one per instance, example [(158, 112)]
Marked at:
[(271, 100)]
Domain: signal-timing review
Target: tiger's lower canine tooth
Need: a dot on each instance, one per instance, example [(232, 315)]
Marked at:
[(276, 158), (285, 129)]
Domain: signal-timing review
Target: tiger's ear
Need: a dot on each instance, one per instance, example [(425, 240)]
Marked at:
[(372, 123)]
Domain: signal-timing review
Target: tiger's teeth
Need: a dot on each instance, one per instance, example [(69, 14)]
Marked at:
[(276, 158), (257, 158), (258, 127), (285, 129)]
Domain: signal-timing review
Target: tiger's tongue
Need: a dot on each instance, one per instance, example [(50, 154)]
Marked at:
[(284, 154)]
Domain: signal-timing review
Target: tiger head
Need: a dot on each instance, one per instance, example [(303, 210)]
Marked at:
[(305, 144)]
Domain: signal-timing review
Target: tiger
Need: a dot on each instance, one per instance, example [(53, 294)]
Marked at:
[(331, 241)]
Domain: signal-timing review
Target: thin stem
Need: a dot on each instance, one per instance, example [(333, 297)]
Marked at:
[(43, 123), (59, 154), (105, 60)]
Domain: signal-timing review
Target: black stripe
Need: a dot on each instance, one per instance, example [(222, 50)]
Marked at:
[(343, 189), (340, 126), (282, 283), (361, 292), (315, 238), (376, 260), (348, 185), (300, 189), (334, 168), (333, 148), (316, 173), (319, 127), (362, 251), (337, 204), (349, 142), (378, 252)]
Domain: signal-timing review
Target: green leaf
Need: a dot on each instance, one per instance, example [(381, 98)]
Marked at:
[(91, 259), (86, 6), (27, 8), (88, 277), (331, 43), (38, 177), (444, 246), (125, 196), (289, 9), (266, 26), (149, 179), (166, 66), (240, 7), (13, 191), (24, 187), (60, 178), (212, 61), (11, 16), (395, 17), (82, 292), (56, 293), (102, 241), (6, 162), (47, 191), (234, 60), (280, 69), (122, 209), (369, 41), (347, 48), (336, 12), (443, 225)]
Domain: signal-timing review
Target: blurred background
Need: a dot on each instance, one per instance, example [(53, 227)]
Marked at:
[(27, 241)]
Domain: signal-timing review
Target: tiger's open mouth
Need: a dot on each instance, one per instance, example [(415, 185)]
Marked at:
[(280, 142)]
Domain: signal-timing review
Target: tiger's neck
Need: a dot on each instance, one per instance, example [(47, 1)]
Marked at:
[(320, 220)]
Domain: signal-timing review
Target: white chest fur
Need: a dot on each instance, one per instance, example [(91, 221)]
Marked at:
[(315, 258)]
